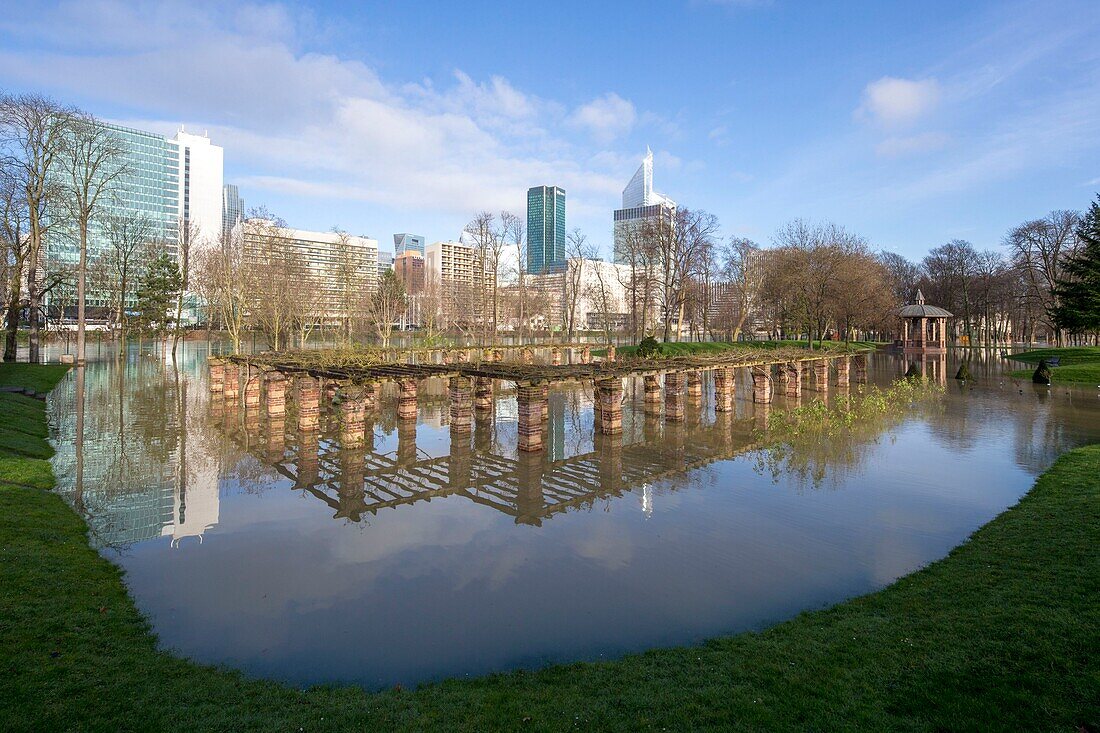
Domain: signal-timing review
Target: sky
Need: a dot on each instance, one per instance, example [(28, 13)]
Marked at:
[(909, 123)]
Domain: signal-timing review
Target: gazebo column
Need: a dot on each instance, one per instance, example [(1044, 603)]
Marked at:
[(674, 397), (217, 374), (461, 404), (652, 387), (276, 394), (406, 398), (793, 370), (923, 332), (821, 375), (529, 413), (231, 385), (353, 411), (723, 389), (905, 333), (609, 394), (761, 384), (483, 394), (695, 386), (309, 404), (860, 361), (842, 371)]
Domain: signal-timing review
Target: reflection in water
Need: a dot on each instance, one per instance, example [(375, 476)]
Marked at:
[(452, 552)]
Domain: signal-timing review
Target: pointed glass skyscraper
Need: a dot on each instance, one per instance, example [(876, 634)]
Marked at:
[(640, 204)]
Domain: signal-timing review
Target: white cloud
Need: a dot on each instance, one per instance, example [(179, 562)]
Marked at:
[(605, 118), (894, 147), (894, 102)]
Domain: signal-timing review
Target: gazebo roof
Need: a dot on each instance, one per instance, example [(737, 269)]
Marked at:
[(920, 310)]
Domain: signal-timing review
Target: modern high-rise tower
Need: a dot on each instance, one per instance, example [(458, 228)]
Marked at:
[(641, 205), (545, 230), (403, 243), (232, 208)]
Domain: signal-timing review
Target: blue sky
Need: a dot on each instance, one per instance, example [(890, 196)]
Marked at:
[(910, 123)]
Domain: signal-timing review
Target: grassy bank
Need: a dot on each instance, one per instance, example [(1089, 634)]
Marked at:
[(692, 348), (1000, 635), (1080, 364)]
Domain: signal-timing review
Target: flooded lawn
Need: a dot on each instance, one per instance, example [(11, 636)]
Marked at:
[(425, 554)]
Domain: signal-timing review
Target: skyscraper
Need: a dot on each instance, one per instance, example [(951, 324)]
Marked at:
[(407, 243), (641, 205), (232, 207), (200, 196), (545, 230)]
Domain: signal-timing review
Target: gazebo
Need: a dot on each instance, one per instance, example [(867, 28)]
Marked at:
[(923, 327)]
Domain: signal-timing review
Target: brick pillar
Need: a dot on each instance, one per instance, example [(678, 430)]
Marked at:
[(609, 395), (309, 404), (528, 398), (252, 383), (352, 417), (842, 371), (821, 375), (406, 399), (276, 394), (217, 374), (652, 386), (527, 355), (723, 389), (462, 404), (545, 405), (555, 356), (794, 378), (861, 368), (761, 384), (610, 353), (695, 386), (231, 387), (483, 394), (674, 397), (586, 355)]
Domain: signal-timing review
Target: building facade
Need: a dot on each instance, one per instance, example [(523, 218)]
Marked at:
[(409, 269), (463, 279), (545, 230), (408, 243), (201, 191), (232, 208), (642, 206), (341, 269), (160, 183)]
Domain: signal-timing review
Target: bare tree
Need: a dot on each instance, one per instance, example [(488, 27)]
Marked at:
[(128, 235), (351, 281), (1039, 249), (744, 269), (189, 236), (222, 281), (33, 131), (15, 244), (577, 254), (386, 304), (488, 240), (514, 232)]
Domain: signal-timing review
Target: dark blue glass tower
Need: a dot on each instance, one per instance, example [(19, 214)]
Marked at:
[(545, 230)]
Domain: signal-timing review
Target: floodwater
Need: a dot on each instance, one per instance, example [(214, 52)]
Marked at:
[(422, 557)]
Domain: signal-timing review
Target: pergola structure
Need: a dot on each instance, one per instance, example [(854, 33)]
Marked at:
[(923, 327)]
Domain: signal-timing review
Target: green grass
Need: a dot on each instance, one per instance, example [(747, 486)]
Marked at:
[(1080, 364), (24, 451), (692, 348), (1000, 635), (39, 377)]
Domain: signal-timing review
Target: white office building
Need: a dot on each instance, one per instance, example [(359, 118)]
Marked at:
[(200, 183)]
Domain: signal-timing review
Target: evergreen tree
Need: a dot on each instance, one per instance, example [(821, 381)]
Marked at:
[(1078, 291), (157, 292)]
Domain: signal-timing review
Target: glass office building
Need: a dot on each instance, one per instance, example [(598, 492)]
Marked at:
[(642, 206), (403, 243), (232, 208), (545, 230)]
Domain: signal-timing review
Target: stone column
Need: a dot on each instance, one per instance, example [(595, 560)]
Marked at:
[(842, 371), (794, 378), (609, 395), (555, 356), (695, 386), (352, 417), (761, 384), (527, 355), (252, 382), (309, 404), (528, 398), (652, 386), (674, 397), (586, 355), (821, 375), (545, 402), (232, 384), (483, 394), (723, 389), (461, 404), (217, 374), (406, 398), (610, 353), (276, 394), (861, 368)]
